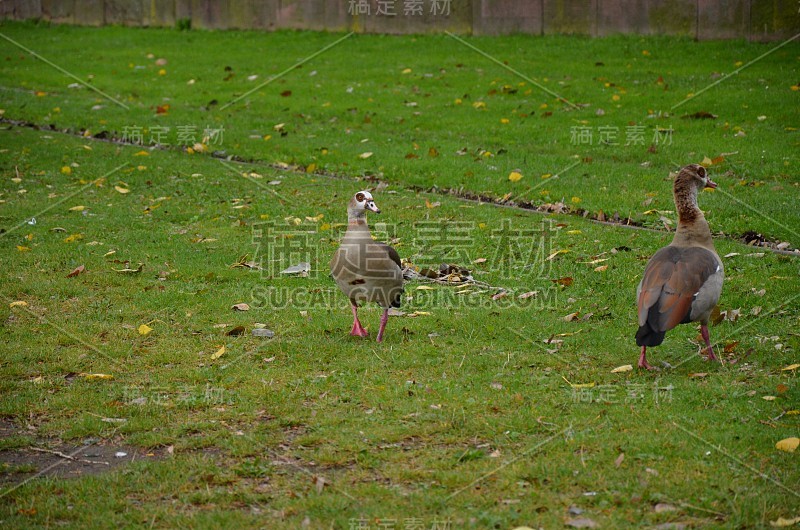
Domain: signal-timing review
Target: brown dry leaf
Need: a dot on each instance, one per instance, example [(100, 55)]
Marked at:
[(432, 152), (430, 204), (319, 483), (480, 260), (698, 375), (618, 461), (571, 316), (500, 295), (238, 330), (731, 346), (788, 444), (218, 353), (240, 307), (566, 281), (601, 268), (524, 296), (79, 269)]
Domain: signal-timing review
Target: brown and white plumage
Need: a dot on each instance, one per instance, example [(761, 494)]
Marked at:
[(366, 270), (683, 281)]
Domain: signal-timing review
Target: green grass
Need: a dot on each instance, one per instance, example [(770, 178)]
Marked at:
[(464, 413)]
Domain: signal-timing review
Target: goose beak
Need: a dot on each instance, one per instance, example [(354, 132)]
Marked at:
[(710, 183), (372, 207)]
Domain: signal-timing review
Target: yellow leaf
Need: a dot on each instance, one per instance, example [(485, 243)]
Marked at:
[(504, 120), (96, 376), (144, 329), (162, 72), (768, 398), (18, 303), (311, 167), (479, 105), (218, 353), (141, 168), (122, 190), (79, 208), (790, 367), (515, 176), (556, 253), (615, 97), (458, 100), (407, 71), (142, 153), (782, 523), (23, 249), (546, 176), (73, 238), (66, 170), (623, 368), (788, 444), (574, 232), (325, 226), (430, 204), (578, 385), (707, 161), (576, 200), (365, 155)]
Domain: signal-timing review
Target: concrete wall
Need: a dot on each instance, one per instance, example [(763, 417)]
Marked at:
[(702, 19)]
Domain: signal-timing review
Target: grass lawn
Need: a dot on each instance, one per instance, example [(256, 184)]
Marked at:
[(480, 409)]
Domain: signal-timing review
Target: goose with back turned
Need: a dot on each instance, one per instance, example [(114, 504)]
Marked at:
[(683, 281)]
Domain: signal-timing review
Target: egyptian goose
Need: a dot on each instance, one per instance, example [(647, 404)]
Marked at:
[(682, 281), (366, 270)]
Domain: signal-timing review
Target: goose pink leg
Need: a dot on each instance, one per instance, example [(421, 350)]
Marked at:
[(643, 361), (358, 330), (709, 349), (384, 320)]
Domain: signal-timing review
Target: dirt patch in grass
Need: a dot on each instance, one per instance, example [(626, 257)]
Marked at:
[(55, 459)]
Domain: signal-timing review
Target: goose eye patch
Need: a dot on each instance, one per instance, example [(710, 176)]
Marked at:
[(360, 197)]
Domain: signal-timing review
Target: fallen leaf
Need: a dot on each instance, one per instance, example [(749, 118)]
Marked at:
[(698, 375), (240, 307), (430, 204), (218, 353), (623, 368), (319, 483), (515, 176), (78, 208), (566, 281), (524, 296), (365, 155), (790, 367), (300, 268), (480, 260), (621, 457), (768, 398), (122, 190), (18, 303), (571, 316), (238, 330), (79, 269), (782, 523), (96, 376), (424, 288), (601, 268), (144, 329), (138, 269), (581, 522), (788, 444)]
